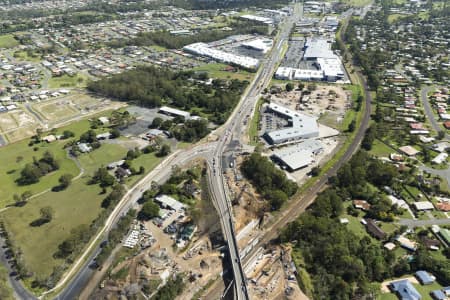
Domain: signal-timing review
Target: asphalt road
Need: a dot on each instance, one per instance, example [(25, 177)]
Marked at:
[(429, 110), (19, 291), (79, 278), (80, 273), (299, 205), (230, 139)]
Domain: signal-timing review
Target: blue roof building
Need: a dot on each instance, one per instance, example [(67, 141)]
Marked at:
[(424, 277), (438, 295), (405, 290)]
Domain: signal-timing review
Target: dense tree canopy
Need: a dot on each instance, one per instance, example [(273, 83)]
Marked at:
[(153, 87), (270, 181)]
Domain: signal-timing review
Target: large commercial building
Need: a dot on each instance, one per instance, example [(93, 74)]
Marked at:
[(261, 45), (203, 49), (300, 126), (318, 51), (298, 156)]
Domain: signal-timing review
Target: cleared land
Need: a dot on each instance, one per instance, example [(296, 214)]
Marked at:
[(16, 125), (77, 80), (56, 110), (8, 41), (66, 108)]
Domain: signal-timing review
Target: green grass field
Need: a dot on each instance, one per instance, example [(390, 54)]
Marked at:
[(358, 3), (15, 156), (23, 55), (6, 292), (380, 149), (253, 128), (78, 80), (8, 41), (106, 154), (79, 204), (216, 70)]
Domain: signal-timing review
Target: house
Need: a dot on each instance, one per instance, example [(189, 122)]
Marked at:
[(443, 206), (49, 138), (438, 295), (343, 221), (103, 120), (446, 290), (424, 277), (361, 204), (430, 243), (374, 230), (405, 290), (115, 164), (423, 205), (122, 172), (84, 148), (447, 124), (406, 243), (389, 246), (409, 151), (440, 158), (169, 202), (103, 136)]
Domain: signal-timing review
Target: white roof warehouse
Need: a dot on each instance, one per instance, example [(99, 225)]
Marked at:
[(301, 126), (298, 156)]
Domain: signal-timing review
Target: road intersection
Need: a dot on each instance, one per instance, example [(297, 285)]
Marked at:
[(229, 138)]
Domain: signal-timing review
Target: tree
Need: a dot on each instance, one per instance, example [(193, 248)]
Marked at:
[(301, 86), (115, 133), (441, 135), (289, 87), (67, 134), (163, 151), (141, 170), (312, 87), (65, 180), (351, 126), (315, 171), (149, 210), (46, 213)]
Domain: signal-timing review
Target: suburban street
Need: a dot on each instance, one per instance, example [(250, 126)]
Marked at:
[(429, 110), (229, 139)]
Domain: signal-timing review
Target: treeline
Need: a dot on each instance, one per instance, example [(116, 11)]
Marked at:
[(206, 4), (268, 180), (171, 41), (32, 172), (341, 264), (152, 87), (171, 290)]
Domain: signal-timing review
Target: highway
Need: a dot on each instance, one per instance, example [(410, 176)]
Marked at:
[(229, 139), (80, 272)]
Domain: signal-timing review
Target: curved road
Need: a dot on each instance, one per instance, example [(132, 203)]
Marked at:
[(429, 110)]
